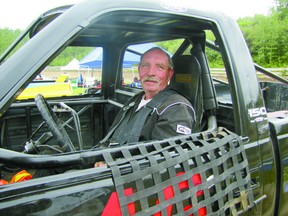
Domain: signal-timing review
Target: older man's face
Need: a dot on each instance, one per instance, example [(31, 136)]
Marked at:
[(154, 72)]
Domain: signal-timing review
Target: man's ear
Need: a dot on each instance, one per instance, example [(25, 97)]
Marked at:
[(171, 72)]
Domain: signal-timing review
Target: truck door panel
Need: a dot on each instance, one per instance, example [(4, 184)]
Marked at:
[(279, 127)]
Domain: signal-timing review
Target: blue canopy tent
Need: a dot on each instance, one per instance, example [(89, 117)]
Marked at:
[(132, 56), (93, 59), (130, 59)]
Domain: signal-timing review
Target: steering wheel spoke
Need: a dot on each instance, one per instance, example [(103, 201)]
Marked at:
[(54, 124)]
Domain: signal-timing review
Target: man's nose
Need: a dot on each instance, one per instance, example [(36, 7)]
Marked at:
[(151, 71)]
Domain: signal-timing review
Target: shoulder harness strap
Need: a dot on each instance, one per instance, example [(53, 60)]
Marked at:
[(141, 119), (125, 109)]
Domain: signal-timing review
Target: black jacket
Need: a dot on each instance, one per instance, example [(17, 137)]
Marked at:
[(170, 114)]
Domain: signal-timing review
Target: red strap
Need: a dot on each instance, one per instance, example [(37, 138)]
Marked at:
[(169, 193), (112, 207)]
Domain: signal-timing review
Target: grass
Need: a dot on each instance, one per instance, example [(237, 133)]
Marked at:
[(285, 175)]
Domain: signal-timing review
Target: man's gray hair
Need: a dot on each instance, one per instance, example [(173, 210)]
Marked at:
[(160, 49)]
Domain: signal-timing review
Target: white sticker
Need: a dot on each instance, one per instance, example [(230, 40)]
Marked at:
[(257, 114), (173, 6), (183, 129)]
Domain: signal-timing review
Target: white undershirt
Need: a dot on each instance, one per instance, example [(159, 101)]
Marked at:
[(143, 102)]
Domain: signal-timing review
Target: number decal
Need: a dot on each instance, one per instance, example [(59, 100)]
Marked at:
[(257, 114)]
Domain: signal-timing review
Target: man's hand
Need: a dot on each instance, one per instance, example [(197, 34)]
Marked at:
[(100, 164)]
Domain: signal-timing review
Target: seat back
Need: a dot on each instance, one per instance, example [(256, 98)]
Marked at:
[(188, 82)]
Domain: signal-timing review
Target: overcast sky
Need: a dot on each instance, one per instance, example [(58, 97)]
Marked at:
[(20, 13)]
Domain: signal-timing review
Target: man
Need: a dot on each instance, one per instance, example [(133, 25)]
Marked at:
[(136, 83), (156, 113)]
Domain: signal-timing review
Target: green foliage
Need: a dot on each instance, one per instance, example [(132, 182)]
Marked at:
[(267, 36), (7, 37), (170, 46), (284, 73), (69, 53), (214, 58), (285, 174), (282, 9)]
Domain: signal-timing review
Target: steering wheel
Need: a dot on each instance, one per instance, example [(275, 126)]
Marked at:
[(54, 124)]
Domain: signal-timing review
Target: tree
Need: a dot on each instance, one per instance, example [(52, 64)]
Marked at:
[(7, 37), (282, 8), (267, 37)]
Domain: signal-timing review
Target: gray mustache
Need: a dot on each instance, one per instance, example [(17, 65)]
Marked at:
[(150, 79)]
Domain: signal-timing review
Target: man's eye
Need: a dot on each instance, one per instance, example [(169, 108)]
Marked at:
[(144, 66), (160, 68)]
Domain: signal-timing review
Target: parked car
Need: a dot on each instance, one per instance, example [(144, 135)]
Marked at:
[(235, 164)]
